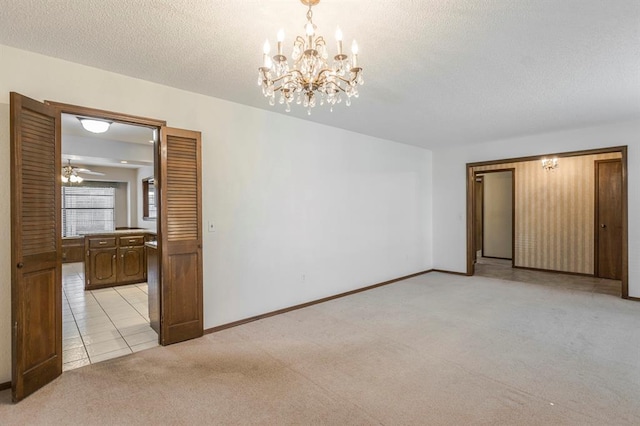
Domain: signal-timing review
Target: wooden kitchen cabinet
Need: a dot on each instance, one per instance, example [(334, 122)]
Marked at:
[(131, 267), (112, 259), (102, 267), (72, 249)]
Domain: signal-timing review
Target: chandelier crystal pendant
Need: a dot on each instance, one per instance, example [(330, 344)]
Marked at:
[(309, 79)]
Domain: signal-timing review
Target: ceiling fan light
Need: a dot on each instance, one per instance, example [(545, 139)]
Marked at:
[(65, 179), (95, 126)]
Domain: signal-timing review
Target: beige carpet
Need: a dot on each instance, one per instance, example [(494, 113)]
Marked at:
[(435, 349)]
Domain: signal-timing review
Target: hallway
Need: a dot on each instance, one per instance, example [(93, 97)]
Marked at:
[(500, 268)]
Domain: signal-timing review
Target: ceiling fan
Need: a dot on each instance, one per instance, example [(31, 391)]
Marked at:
[(70, 173)]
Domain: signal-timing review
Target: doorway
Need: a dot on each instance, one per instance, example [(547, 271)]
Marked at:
[(494, 211), (36, 183), (554, 226), (105, 288)]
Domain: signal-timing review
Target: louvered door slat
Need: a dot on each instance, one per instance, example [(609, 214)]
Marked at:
[(38, 214), (36, 279), (181, 235)]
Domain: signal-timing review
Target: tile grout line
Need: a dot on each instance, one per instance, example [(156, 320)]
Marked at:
[(110, 320), (130, 304), (134, 308), (73, 315), (104, 311)]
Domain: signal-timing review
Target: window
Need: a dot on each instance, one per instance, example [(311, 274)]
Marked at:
[(88, 208), (149, 209)]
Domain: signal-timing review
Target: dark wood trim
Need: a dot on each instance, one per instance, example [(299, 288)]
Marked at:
[(148, 182), (444, 271), (483, 216), (625, 226), (596, 218), (471, 239), (625, 214), (307, 304), (475, 184), (513, 217), (558, 155), (633, 299), (5, 386), (109, 115), (553, 271)]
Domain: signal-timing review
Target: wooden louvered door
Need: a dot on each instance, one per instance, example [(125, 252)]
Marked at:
[(179, 189), (36, 269)]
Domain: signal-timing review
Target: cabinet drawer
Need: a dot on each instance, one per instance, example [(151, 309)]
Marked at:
[(131, 240), (102, 242)]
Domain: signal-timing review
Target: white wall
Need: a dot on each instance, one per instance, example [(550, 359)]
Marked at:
[(498, 215), (301, 210), (449, 189), (126, 195)]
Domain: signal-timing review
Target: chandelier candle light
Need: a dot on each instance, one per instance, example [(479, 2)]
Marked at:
[(310, 77)]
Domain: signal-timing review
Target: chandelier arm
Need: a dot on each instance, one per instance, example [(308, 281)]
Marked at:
[(339, 87), (294, 71), (329, 71), (345, 80), (275, 80)]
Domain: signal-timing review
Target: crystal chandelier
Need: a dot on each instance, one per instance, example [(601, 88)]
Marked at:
[(310, 77)]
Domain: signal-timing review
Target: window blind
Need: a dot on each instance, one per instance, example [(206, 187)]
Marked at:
[(87, 209)]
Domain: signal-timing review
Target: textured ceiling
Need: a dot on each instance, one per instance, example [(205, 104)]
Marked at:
[(437, 72)]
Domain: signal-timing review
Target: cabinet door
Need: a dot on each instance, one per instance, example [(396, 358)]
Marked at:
[(102, 267), (131, 265)]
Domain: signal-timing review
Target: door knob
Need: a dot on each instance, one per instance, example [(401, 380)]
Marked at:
[(602, 225), (20, 265)]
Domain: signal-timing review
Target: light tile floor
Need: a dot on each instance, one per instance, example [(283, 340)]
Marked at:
[(102, 324)]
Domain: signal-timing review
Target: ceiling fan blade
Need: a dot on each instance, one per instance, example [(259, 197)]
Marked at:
[(89, 172)]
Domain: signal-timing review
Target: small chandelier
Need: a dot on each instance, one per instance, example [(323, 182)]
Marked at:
[(310, 77), (70, 174), (549, 163)]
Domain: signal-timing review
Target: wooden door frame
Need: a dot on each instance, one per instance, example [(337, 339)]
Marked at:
[(478, 180), (513, 208), (120, 118), (625, 227), (596, 215)]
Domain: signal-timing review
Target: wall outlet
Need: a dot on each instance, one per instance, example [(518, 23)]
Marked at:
[(211, 227)]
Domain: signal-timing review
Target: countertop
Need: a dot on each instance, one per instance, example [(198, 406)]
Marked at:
[(121, 232)]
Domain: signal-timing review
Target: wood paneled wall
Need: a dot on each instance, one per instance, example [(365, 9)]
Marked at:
[(554, 213)]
